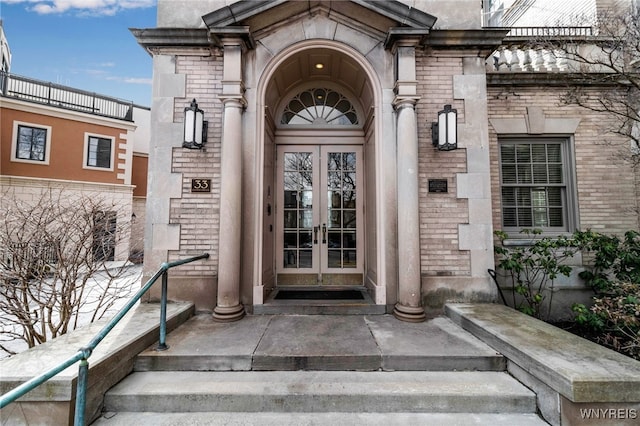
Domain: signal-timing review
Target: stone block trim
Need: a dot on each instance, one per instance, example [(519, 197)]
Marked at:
[(125, 159), (475, 184), (577, 370)]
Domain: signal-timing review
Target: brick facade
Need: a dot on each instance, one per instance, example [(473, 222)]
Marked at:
[(440, 213), (606, 186), (195, 212), (257, 63)]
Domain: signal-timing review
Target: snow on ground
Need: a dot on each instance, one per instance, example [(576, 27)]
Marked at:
[(127, 284)]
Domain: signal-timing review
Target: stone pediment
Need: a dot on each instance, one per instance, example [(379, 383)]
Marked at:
[(379, 19), (269, 12)]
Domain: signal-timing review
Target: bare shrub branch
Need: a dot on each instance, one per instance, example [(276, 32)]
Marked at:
[(609, 61), (56, 264)]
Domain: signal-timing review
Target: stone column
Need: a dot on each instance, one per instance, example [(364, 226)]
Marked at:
[(228, 307), (409, 304)]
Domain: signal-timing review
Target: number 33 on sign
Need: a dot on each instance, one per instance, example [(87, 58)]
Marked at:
[(200, 185)]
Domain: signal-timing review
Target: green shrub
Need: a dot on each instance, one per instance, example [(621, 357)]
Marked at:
[(613, 271), (615, 259), (614, 317), (533, 267)]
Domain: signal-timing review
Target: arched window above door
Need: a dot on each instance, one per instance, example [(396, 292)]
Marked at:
[(320, 106)]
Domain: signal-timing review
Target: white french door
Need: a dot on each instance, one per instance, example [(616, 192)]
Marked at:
[(319, 214)]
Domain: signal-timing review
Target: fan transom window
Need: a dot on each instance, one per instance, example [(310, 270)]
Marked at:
[(320, 107)]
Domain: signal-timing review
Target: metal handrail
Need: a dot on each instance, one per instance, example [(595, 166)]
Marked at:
[(85, 352)]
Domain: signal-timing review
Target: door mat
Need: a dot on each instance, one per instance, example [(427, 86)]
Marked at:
[(319, 295)]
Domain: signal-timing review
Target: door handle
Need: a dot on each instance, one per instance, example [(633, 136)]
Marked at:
[(324, 233), (315, 234)]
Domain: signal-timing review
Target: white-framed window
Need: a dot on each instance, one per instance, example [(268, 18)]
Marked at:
[(537, 184), (98, 152), (30, 143)]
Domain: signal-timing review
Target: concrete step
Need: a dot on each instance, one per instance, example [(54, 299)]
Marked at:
[(321, 391), (310, 305), (322, 342), (323, 307), (318, 419)]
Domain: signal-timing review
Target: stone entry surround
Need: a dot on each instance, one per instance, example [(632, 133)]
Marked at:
[(405, 270)]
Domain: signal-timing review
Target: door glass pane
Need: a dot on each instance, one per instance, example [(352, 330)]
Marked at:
[(290, 240), (290, 219), (306, 259), (349, 161), (306, 219), (334, 219), (334, 239), (334, 199), (348, 181), (334, 159), (334, 180), (349, 199), (305, 239), (349, 219), (341, 193), (333, 259), (349, 259), (298, 209), (349, 240), (290, 199), (306, 200)]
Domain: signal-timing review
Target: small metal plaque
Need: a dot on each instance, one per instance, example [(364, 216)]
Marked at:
[(438, 185), (200, 185)]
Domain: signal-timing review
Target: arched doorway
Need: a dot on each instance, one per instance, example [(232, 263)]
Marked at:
[(319, 169)]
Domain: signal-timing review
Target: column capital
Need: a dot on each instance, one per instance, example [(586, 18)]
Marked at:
[(233, 101), (400, 102)]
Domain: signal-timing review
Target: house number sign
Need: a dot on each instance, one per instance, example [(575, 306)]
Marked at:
[(200, 185)]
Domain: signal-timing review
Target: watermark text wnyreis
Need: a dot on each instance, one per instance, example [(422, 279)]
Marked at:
[(608, 413)]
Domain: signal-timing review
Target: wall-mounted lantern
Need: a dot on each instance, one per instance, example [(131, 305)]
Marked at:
[(195, 127), (444, 133)]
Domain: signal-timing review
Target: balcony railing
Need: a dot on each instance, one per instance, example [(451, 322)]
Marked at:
[(550, 32), (55, 95), (524, 50)]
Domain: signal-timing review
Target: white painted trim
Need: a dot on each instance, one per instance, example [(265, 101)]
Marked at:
[(85, 153), (9, 180), (14, 143)]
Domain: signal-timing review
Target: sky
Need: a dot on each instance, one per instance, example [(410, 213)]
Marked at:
[(85, 44)]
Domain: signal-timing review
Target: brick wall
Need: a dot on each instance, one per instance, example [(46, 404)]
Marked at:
[(198, 213), (607, 192), (440, 214)]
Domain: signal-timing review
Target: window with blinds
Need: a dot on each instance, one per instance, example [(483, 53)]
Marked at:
[(534, 184)]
